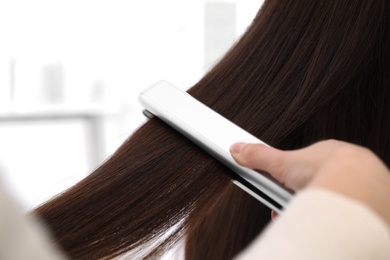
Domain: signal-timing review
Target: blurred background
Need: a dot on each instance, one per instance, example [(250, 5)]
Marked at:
[(71, 71)]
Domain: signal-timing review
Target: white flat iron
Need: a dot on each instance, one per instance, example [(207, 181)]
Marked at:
[(213, 133)]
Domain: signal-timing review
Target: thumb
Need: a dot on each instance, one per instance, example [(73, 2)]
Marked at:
[(261, 157)]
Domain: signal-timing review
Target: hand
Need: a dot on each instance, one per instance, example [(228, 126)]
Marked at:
[(345, 168)]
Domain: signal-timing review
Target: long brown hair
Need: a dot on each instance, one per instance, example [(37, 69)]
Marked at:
[(304, 71)]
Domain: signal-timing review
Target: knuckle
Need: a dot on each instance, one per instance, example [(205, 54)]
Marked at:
[(277, 167), (248, 154), (330, 143)]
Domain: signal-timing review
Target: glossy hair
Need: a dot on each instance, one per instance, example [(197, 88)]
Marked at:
[(304, 71)]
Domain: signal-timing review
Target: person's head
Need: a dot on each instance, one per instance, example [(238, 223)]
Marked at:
[(304, 71)]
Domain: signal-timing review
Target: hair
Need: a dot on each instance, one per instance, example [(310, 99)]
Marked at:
[(304, 71)]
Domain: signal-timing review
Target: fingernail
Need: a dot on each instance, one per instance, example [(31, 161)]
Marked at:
[(237, 148)]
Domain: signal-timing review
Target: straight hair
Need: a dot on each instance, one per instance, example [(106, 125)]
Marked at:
[(304, 71)]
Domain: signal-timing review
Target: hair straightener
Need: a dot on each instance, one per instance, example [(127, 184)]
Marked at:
[(213, 133)]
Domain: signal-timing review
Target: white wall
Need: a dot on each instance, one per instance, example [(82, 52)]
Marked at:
[(78, 54)]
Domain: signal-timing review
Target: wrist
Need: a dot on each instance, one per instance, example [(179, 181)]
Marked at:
[(367, 182)]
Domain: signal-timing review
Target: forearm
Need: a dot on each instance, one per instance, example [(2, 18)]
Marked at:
[(320, 224)]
